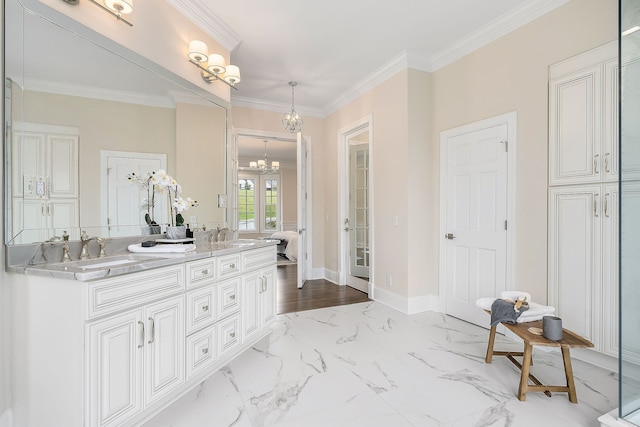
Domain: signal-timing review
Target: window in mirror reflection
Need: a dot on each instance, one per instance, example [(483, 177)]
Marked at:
[(259, 203), (246, 204)]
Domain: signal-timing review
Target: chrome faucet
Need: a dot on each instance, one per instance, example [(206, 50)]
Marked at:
[(65, 247), (221, 234), (84, 240)]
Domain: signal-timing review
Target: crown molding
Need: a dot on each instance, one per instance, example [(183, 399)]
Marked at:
[(103, 94), (277, 107), (494, 30), (203, 17)]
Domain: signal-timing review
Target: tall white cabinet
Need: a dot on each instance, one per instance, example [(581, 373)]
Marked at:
[(44, 181), (583, 195)]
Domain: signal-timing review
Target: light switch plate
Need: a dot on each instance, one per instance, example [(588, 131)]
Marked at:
[(222, 200)]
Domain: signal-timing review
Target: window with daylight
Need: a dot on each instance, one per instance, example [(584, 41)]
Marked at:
[(259, 203), (270, 205), (246, 204)]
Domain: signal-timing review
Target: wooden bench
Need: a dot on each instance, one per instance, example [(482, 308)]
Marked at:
[(569, 339)]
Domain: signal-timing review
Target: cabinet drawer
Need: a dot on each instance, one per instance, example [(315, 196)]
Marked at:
[(228, 266), (228, 334), (201, 350), (201, 308), (228, 297), (198, 272), (258, 258), (110, 295)]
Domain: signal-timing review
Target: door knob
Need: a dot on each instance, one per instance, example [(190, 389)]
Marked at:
[(449, 236)]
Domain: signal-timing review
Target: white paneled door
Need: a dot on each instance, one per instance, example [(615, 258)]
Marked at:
[(476, 219)]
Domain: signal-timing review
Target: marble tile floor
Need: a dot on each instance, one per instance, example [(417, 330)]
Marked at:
[(368, 365)]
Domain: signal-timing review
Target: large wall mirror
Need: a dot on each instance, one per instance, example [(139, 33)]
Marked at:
[(79, 118)]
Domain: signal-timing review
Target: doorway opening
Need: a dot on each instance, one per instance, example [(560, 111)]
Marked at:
[(271, 200), (356, 256)]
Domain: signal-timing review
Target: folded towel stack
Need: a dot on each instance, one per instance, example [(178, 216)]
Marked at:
[(162, 248), (535, 312)]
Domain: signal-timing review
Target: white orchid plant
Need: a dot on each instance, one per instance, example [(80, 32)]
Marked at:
[(162, 183)]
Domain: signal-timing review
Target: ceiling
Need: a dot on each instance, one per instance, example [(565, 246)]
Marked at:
[(338, 49)]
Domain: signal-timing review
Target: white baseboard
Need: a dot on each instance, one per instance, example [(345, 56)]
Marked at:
[(390, 299), (423, 303), (6, 418), (406, 305)]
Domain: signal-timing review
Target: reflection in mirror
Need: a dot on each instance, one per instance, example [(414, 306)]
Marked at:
[(79, 118), (267, 199)]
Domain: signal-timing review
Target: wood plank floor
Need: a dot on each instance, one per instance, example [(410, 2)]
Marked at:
[(314, 294)]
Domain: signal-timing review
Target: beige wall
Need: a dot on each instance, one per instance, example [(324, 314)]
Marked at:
[(104, 125), (510, 74), (200, 160), (387, 103)]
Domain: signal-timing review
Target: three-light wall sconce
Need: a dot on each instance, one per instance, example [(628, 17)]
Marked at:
[(115, 7), (212, 67)]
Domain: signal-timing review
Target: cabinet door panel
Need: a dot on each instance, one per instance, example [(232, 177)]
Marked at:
[(268, 296), (115, 369), (165, 338), (574, 257), (251, 284), (63, 167), (575, 128)]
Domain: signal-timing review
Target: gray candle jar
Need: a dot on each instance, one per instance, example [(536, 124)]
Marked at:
[(552, 328)]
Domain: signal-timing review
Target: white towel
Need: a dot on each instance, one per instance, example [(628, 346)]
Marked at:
[(536, 311), (163, 248)]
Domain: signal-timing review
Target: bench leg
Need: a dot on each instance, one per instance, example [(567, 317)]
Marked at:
[(524, 376), (568, 373), (492, 338)]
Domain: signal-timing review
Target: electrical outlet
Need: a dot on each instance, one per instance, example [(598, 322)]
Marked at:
[(193, 219), (389, 281)]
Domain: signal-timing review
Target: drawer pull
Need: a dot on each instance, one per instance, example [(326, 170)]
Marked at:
[(141, 343), (232, 297), (205, 308), (232, 266), (205, 350), (153, 330), (205, 272), (232, 334)]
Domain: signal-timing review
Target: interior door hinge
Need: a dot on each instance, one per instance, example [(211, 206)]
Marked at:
[(505, 224), (108, 171), (506, 146)]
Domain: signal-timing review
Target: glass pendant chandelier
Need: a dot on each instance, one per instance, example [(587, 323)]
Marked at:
[(292, 121)]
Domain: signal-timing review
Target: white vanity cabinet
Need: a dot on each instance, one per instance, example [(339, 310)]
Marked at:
[(116, 351), (134, 359), (259, 290)]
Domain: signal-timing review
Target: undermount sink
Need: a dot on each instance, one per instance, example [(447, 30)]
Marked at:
[(241, 242), (108, 262)]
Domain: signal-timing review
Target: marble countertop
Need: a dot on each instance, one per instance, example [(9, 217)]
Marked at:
[(125, 262)]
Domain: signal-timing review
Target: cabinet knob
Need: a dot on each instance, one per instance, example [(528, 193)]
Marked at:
[(232, 297), (205, 272), (205, 308), (232, 334), (205, 350)]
